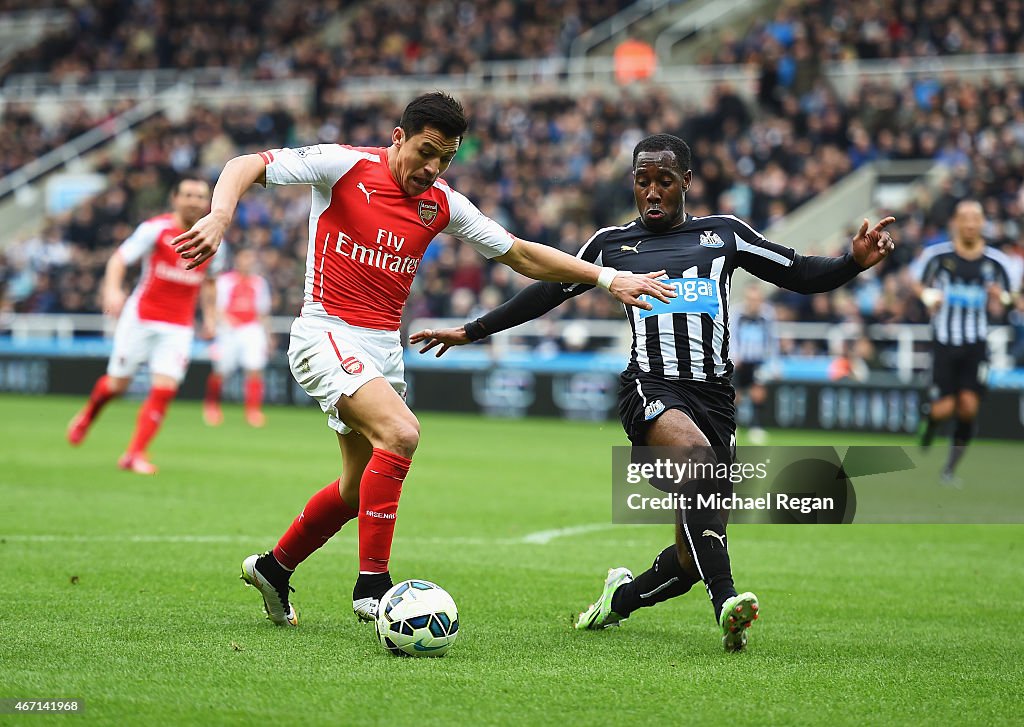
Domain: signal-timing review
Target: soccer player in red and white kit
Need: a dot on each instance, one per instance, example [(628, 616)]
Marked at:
[(243, 337), (374, 212), (155, 324)]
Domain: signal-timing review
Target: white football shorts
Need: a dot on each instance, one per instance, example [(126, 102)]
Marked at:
[(166, 347), (240, 347), (331, 359)]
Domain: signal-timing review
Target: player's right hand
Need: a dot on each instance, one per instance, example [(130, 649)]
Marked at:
[(112, 302), (932, 299), (201, 242), (443, 337), (628, 287)]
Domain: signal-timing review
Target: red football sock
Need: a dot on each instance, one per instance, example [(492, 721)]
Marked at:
[(101, 394), (379, 491), (253, 392), (322, 517), (151, 416), (214, 384)]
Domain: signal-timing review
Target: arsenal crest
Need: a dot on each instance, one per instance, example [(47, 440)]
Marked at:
[(428, 211), (352, 365)]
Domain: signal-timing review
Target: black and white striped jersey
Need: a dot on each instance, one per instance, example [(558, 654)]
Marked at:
[(689, 337), (962, 317), (752, 337)]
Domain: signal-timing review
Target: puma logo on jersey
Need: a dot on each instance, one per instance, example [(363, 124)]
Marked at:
[(713, 534), (623, 248), (364, 191)]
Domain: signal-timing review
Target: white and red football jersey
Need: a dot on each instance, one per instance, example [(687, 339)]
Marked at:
[(366, 235), (166, 292), (242, 299)]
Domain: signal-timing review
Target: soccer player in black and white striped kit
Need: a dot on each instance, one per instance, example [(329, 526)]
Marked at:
[(676, 390), (753, 343), (961, 282)]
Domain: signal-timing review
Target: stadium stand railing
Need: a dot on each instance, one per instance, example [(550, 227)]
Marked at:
[(699, 18), (847, 76), (620, 25), (77, 147), (201, 85), (20, 30), (904, 349)]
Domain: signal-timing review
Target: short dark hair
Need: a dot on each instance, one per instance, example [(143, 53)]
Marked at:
[(438, 110), (665, 142), (187, 177)]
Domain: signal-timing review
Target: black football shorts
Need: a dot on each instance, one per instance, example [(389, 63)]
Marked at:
[(959, 368), (643, 398)]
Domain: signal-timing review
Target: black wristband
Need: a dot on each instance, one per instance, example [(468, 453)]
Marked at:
[(475, 330)]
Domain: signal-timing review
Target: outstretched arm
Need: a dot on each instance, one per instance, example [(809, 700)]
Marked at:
[(541, 262), (201, 242), (811, 273), (529, 303)]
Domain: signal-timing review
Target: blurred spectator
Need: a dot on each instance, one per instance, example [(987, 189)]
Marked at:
[(554, 169), (264, 39)]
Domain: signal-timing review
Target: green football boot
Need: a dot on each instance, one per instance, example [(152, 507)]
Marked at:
[(600, 614), (737, 614)]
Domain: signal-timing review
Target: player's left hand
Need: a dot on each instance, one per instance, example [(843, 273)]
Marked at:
[(443, 337), (996, 295), (201, 242), (872, 246)]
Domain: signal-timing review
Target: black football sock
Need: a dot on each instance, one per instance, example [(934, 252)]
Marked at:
[(755, 416), (665, 579), (963, 432), (371, 585), (704, 533), (929, 433), (272, 570)]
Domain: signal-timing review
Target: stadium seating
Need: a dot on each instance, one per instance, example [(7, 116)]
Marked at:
[(551, 168), (803, 35), (281, 39)]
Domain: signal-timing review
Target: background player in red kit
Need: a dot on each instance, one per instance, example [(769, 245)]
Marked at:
[(243, 337), (374, 211), (155, 324)]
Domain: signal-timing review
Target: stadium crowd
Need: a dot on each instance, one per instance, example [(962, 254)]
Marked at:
[(554, 170), (327, 41), (550, 169), (284, 38), (802, 35)]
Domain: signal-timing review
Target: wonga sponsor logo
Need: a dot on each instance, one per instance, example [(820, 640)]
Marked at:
[(694, 295)]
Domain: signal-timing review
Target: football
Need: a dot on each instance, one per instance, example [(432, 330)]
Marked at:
[(417, 618)]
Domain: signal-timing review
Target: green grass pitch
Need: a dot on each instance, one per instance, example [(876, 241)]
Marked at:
[(123, 590)]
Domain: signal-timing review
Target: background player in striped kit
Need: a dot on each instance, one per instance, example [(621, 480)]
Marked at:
[(753, 341), (243, 338), (962, 282), (676, 390)]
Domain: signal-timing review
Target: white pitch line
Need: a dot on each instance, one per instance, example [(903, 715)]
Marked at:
[(541, 537)]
